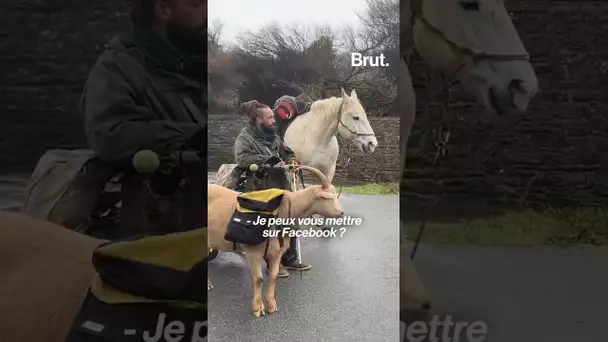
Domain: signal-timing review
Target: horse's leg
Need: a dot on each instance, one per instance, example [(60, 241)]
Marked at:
[(333, 155), (254, 259), (414, 299), (331, 172)]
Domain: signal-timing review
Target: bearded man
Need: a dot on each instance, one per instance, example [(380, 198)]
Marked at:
[(258, 143), (146, 92)]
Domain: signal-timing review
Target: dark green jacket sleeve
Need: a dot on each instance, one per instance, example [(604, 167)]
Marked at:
[(116, 125), (287, 153), (246, 153)]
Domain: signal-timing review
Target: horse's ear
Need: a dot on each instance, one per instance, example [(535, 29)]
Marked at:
[(343, 93), (353, 94)]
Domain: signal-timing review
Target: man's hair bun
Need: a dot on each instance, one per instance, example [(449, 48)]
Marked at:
[(251, 108)]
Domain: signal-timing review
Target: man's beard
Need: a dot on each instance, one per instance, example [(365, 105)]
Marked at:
[(189, 40), (268, 129)]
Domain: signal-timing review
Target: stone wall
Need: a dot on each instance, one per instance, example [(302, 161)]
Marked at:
[(381, 166), (48, 48), (555, 154)]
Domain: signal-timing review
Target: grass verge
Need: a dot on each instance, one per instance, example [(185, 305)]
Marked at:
[(372, 189), (581, 226)]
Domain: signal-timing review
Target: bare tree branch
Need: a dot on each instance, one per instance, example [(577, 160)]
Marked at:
[(274, 61)]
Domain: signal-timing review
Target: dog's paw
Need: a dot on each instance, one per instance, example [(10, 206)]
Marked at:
[(258, 309), (271, 305)]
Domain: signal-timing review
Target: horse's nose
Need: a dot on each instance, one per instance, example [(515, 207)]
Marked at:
[(371, 145), (520, 93), (528, 89)]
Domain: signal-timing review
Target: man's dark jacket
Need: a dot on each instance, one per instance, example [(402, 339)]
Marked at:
[(252, 146), (143, 94), (131, 102)]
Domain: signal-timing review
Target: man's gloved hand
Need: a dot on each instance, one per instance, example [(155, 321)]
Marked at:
[(274, 160)]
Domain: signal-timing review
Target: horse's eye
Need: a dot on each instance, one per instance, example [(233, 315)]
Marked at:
[(470, 5), (356, 117)]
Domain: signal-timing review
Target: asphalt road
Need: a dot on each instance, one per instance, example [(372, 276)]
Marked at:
[(350, 294), (522, 294), (12, 189)]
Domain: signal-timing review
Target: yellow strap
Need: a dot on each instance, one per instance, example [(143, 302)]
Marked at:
[(245, 210), (111, 295), (178, 251)]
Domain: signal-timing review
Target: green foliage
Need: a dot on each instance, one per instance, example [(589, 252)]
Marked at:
[(562, 227), (373, 189)]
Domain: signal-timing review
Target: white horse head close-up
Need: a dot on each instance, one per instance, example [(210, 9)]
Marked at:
[(312, 135), (474, 42), (471, 42), (353, 124)]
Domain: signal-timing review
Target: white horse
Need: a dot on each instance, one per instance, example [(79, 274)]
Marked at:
[(312, 136), (473, 42)]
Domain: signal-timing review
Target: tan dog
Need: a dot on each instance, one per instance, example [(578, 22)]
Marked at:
[(318, 199), (45, 271)]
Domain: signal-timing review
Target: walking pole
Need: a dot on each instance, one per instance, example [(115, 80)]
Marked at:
[(298, 249)]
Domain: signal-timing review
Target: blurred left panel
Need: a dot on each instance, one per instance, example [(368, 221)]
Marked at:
[(103, 195)]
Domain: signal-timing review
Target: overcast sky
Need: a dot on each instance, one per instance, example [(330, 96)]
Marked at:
[(242, 15)]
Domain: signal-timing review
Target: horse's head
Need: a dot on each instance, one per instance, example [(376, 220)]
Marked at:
[(353, 124), (475, 42)]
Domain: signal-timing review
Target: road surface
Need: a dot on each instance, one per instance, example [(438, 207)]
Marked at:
[(523, 294), (350, 294), (12, 189)]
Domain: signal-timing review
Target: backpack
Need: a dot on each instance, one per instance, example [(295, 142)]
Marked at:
[(252, 206), (66, 186), (131, 292)]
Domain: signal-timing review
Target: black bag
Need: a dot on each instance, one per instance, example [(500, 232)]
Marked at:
[(252, 208), (143, 283), (242, 229)]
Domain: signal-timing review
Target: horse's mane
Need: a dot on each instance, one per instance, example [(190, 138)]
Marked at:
[(326, 106), (325, 109)]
